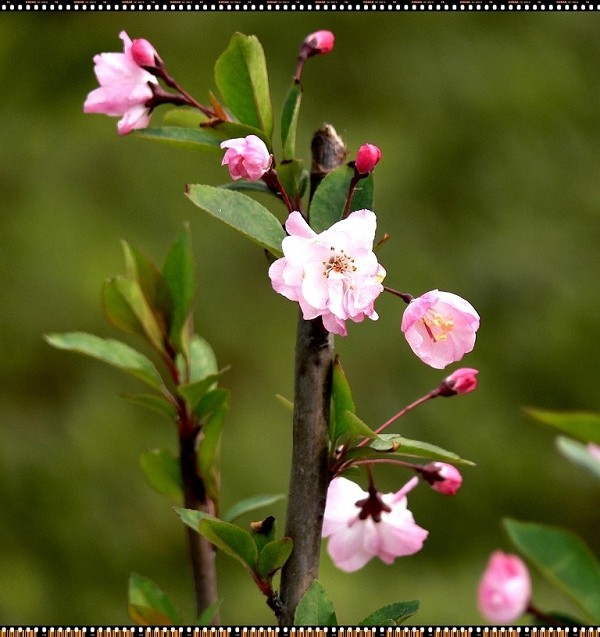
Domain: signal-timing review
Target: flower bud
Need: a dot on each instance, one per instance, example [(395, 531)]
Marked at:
[(443, 478), (367, 158), (143, 53), (462, 381), (247, 157), (318, 43), (505, 589)]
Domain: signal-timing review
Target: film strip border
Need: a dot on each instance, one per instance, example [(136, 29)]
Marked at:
[(347, 631), (84, 6)]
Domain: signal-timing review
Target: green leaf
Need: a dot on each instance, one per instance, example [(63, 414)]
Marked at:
[(564, 560), (155, 402), (263, 532), (579, 454), (229, 130), (202, 361), (273, 556), (162, 472), (252, 186), (181, 116), (394, 445), (329, 200), (241, 77), (131, 294), (289, 120), (208, 614), (392, 614), (251, 504), (112, 352), (178, 272), (211, 410), (290, 175), (241, 212), (315, 608), (148, 605), (193, 393), (117, 309), (152, 283), (229, 538), (583, 425), (183, 137)]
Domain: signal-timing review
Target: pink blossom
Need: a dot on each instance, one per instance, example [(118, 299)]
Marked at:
[(440, 327), (247, 157), (125, 89), (319, 42), (462, 381), (367, 158), (143, 53), (363, 525), (334, 274), (443, 478), (505, 588)]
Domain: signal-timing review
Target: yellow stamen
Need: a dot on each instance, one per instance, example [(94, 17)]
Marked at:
[(438, 327)]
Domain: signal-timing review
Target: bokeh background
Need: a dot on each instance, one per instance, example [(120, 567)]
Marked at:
[(489, 186)]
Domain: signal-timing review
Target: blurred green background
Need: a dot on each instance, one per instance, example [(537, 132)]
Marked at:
[(489, 186)]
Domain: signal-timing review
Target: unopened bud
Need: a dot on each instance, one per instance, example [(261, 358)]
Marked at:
[(143, 53), (318, 43), (367, 158), (442, 477), (462, 381)]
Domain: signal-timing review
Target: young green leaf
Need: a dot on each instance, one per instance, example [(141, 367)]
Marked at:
[(152, 284), (341, 401), (178, 272), (229, 538), (193, 393), (180, 136), (583, 425), (273, 556), (241, 212), (112, 352), (162, 472), (155, 402), (329, 200), (148, 605), (202, 361), (241, 77), (252, 504), (211, 410), (392, 614), (315, 608), (117, 309), (289, 120), (290, 175), (208, 614), (564, 560), (131, 293)]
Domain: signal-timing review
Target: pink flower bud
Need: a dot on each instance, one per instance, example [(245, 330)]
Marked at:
[(505, 589), (247, 157), (143, 53), (462, 381), (319, 43), (367, 158), (443, 478)]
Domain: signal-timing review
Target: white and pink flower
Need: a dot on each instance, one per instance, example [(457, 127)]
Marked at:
[(247, 157), (125, 88), (334, 274), (440, 327), (361, 525), (505, 589)]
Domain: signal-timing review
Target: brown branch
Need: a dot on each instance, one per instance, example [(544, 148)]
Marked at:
[(202, 552), (309, 475)]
